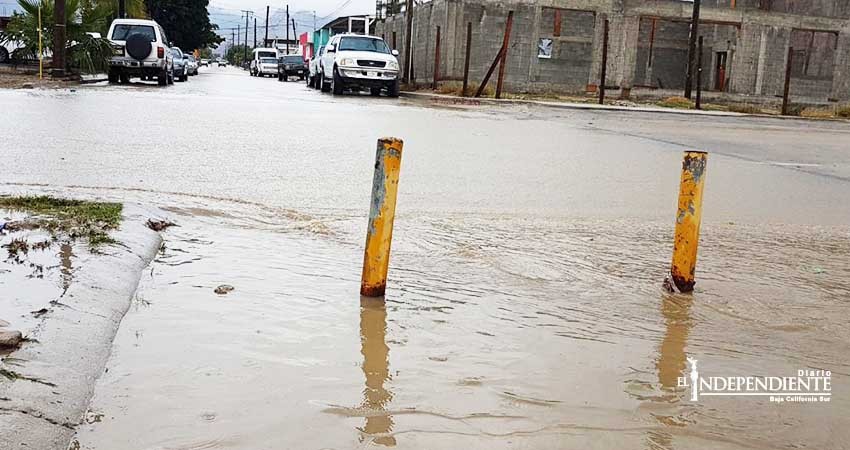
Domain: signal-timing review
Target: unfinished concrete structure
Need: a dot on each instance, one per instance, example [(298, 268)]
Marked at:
[(556, 45)]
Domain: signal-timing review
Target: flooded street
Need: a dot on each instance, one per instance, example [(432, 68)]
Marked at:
[(523, 308)]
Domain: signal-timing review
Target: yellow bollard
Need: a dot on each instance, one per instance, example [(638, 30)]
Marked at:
[(379, 233), (688, 217)]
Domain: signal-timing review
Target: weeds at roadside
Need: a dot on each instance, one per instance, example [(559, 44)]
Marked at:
[(72, 218), (676, 102), (745, 108)]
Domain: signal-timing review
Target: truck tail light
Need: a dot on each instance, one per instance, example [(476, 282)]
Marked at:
[(160, 52)]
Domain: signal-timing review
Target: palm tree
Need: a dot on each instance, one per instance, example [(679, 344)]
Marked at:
[(85, 52)]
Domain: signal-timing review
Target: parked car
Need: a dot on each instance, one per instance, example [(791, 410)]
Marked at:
[(261, 56), (205, 62), (352, 61), (192, 64), (222, 63), (313, 69), (291, 65), (265, 67), (140, 49), (181, 71), (8, 50)]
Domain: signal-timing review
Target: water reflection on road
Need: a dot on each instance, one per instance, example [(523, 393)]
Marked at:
[(376, 397)]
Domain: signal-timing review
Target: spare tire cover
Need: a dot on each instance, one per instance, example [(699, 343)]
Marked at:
[(138, 46)]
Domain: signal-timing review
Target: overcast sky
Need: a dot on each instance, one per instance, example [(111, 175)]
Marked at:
[(323, 8)]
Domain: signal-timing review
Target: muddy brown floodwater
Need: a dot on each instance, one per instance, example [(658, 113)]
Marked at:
[(524, 307)]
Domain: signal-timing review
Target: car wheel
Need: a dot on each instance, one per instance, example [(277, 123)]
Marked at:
[(392, 89), (4, 55), (170, 77), (113, 76), (162, 78), (124, 78), (375, 92), (336, 84), (324, 86)]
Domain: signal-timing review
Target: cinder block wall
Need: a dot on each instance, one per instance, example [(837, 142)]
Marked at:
[(755, 42)]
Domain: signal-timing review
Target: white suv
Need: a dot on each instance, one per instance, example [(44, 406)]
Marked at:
[(141, 49), (358, 61)]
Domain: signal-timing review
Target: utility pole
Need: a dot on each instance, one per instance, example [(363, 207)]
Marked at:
[(238, 34), (408, 37), (287, 29), (692, 49), (267, 27), (294, 33), (232, 39), (59, 38), (255, 32), (121, 9), (246, 34)]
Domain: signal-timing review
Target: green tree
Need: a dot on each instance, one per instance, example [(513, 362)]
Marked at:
[(236, 54), (187, 22), (85, 53)]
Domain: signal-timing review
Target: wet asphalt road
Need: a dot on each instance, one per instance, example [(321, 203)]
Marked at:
[(523, 306), (227, 135)]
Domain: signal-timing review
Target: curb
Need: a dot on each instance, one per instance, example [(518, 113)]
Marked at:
[(565, 105), (590, 106), (73, 343)]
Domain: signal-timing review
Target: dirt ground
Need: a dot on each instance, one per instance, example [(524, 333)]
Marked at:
[(11, 78)]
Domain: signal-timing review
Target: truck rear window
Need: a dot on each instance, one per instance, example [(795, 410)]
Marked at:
[(293, 59), (123, 31)]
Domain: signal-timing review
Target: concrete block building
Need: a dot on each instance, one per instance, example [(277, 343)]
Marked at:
[(556, 45)]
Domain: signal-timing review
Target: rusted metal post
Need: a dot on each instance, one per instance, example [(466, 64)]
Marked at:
[(466, 63), (489, 73), (688, 218), (787, 89), (379, 233), (505, 44), (436, 60), (604, 70), (699, 74)]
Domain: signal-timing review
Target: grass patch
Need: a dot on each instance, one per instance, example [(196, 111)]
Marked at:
[(676, 102), (744, 108), (456, 88), (817, 113), (74, 218)]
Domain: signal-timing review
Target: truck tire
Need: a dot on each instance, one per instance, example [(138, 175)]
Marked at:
[(4, 55), (162, 78), (324, 86), (138, 46), (374, 92), (392, 90), (113, 76), (336, 85)]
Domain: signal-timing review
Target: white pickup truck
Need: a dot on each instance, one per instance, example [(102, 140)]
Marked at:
[(352, 61)]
